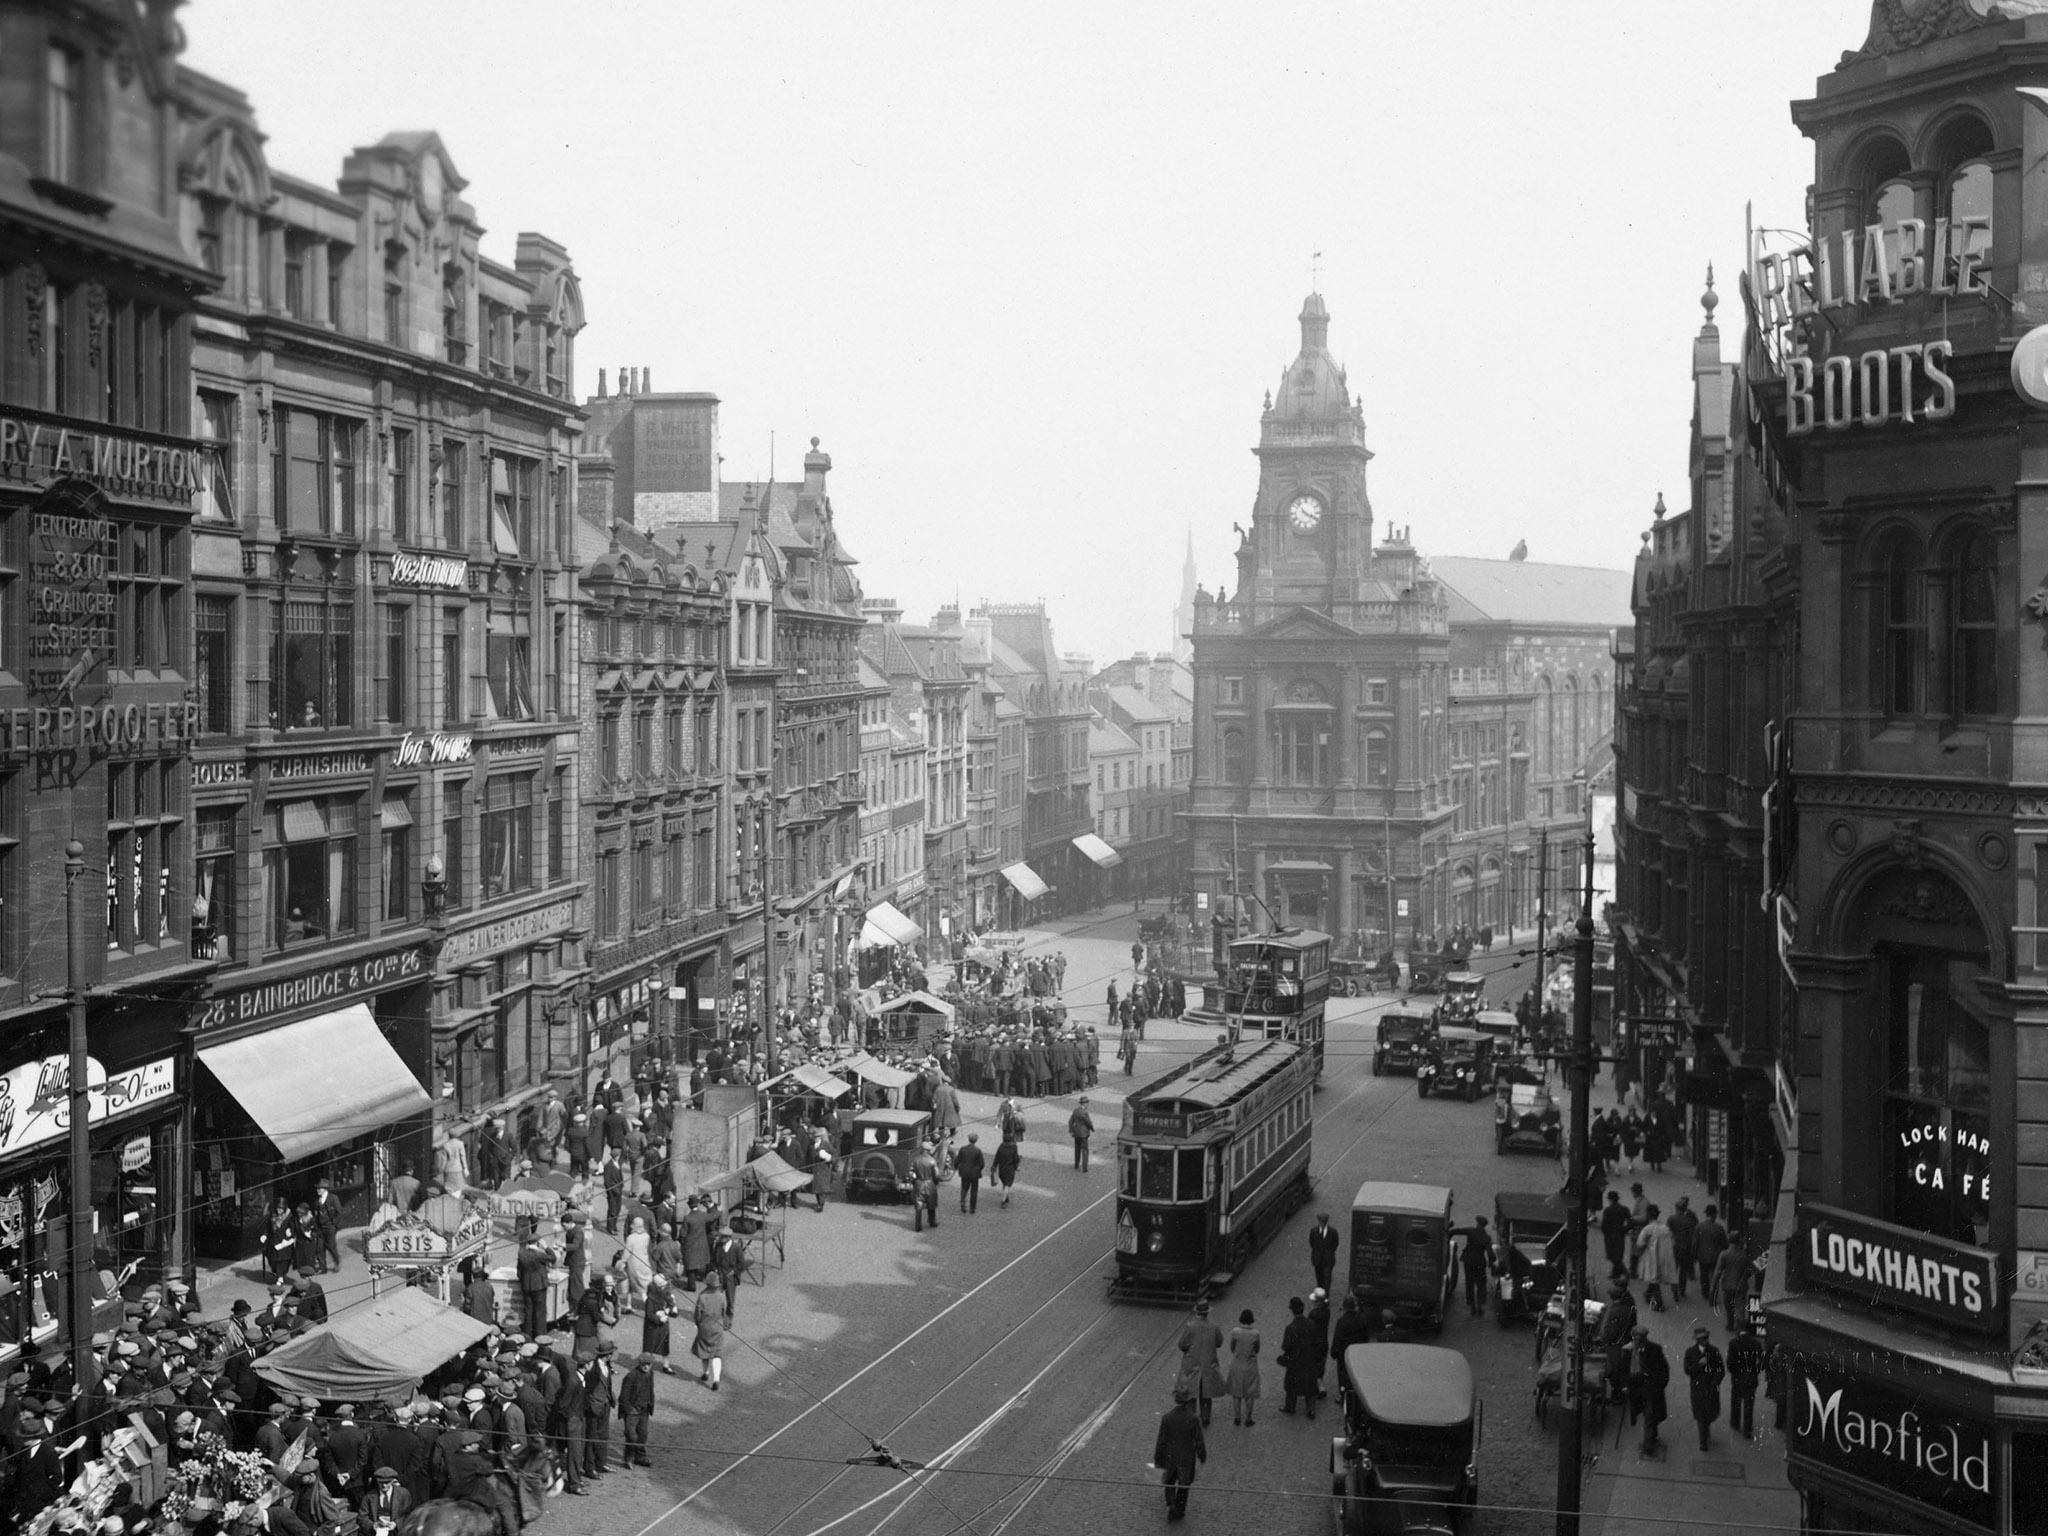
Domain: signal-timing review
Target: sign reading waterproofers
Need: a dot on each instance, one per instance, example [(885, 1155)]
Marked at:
[(1952, 1283)]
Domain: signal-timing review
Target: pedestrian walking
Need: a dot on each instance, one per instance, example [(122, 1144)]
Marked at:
[(1731, 1284), (1475, 1257), (1709, 1240), (1614, 1233), (1704, 1369), (327, 1223), (1007, 1159), (1684, 1225), (968, 1167), (639, 1261), (1745, 1366), (636, 1411), (1081, 1126), (1322, 1249), (1243, 1377), (1353, 1326), (1617, 1325), (654, 1323), (1127, 1048), (696, 1240), (1178, 1450), (709, 1345), (1300, 1360), (613, 1172), (1656, 1260), (924, 1189), (1319, 1320), (1201, 1348), (728, 1264), (1647, 1373), (1632, 1139)]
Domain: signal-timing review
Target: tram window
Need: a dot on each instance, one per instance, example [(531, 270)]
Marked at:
[(1130, 1173), (1190, 1182), (1155, 1173)]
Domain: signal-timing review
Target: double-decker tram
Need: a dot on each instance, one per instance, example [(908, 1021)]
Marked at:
[(1275, 987), (1212, 1158)]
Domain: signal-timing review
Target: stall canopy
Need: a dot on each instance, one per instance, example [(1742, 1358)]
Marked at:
[(318, 1082), (886, 925), (880, 1073), (375, 1352), (810, 1079), (917, 1002), (768, 1170), (1099, 851), (1025, 879)]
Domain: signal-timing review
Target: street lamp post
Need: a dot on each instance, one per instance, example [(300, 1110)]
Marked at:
[(763, 801), (1387, 842), (1579, 1070), (79, 1273)]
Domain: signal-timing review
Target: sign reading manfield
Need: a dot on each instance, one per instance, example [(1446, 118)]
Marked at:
[(1952, 1283), (1908, 1444)]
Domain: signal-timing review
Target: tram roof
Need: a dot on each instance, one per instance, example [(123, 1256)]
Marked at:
[(1217, 1077), (1286, 938)]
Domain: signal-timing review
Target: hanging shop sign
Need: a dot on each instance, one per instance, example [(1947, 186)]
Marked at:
[(1952, 1283), (412, 1242), (130, 467), (440, 573), (326, 988), (432, 747), (35, 1097), (1903, 1442)]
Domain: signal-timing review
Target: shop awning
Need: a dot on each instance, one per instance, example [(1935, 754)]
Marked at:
[(375, 1352), (880, 1073), (812, 1080), (768, 1170), (1099, 851), (313, 1084), (1025, 879), (886, 925)]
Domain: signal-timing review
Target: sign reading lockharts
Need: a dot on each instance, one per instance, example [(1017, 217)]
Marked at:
[(1905, 1443), (1952, 1283)]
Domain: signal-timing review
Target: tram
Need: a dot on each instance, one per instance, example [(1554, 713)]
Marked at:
[(1276, 986), (1212, 1158)]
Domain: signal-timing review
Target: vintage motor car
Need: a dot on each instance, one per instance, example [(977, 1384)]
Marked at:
[(1402, 1258), (1525, 1117), (1403, 1038), (1464, 994), (885, 1143), (1528, 1246), (1459, 1062), (1408, 1459)]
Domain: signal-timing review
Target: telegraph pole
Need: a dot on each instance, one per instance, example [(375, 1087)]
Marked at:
[(78, 1273), (1579, 1076), (770, 1055)]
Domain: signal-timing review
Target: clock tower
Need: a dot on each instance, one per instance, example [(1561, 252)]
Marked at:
[(1311, 540)]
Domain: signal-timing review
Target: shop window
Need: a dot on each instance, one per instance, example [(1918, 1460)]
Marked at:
[(316, 472), (213, 883), (309, 867), (451, 669), (312, 674), (1937, 1096), (218, 416), (213, 662), (480, 1067), (395, 818), (1973, 620), (453, 806), (511, 660), (508, 835)]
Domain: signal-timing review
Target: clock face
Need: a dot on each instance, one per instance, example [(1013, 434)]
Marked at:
[(1305, 512)]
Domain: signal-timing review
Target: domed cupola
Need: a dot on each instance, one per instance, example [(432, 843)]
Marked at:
[(1313, 388)]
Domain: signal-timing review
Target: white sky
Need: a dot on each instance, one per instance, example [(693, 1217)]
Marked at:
[(1027, 270)]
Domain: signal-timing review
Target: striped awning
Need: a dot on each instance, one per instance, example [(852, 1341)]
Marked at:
[(1025, 879)]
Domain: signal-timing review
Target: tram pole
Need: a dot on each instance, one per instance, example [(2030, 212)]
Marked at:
[(1579, 1073)]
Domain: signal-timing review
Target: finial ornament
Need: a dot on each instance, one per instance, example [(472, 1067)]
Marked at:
[(1710, 300), (1659, 508)]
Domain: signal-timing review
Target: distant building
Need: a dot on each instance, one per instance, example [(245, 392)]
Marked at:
[(1053, 875)]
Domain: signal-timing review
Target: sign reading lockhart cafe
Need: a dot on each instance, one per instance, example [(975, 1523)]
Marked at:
[(1903, 1442), (1952, 1283)]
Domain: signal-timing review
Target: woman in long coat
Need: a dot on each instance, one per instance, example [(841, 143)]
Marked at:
[(1243, 1379), (654, 1320), (1657, 1258), (639, 1260), (594, 1313), (576, 1255), (1632, 1138), (709, 1345), (280, 1238), (305, 1241)]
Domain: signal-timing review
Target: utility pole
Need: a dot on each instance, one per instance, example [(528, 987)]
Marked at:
[(79, 1271), (1579, 1076), (769, 1053)]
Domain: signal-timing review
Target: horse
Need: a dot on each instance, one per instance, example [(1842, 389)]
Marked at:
[(449, 1517)]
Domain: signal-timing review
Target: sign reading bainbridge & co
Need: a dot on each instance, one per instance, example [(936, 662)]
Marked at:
[(1907, 1444), (1952, 1283), (330, 987)]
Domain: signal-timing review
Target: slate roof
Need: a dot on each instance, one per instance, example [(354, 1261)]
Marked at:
[(1529, 592), (1105, 737), (1134, 704)]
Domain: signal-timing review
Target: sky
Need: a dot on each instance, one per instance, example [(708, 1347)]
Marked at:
[(1028, 271)]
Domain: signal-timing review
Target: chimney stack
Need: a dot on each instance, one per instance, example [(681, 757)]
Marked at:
[(600, 383)]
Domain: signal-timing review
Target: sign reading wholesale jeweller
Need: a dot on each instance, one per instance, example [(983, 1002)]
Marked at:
[(1952, 1283), (1864, 268)]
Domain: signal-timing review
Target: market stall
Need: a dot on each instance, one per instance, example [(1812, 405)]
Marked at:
[(891, 1080), (424, 1248), (378, 1352), (755, 1216), (912, 1018)]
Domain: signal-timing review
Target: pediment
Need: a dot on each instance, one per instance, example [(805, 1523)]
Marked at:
[(1302, 624)]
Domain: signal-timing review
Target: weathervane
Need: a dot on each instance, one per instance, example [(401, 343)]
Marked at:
[(1315, 272)]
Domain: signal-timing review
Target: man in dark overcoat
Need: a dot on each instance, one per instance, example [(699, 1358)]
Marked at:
[(1179, 1449)]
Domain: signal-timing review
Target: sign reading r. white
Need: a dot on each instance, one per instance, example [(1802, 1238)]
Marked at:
[(1895, 1266)]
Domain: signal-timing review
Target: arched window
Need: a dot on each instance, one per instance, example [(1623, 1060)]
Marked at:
[(1937, 1093), (1378, 761), (1233, 756), (1973, 619), (1963, 191), (1902, 625)]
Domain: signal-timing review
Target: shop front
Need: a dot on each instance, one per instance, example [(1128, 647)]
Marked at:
[(311, 1076), (137, 1110), (693, 996)]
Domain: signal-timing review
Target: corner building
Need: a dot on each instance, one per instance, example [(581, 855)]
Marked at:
[(98, 473), (1917, 473), (384, 615)]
